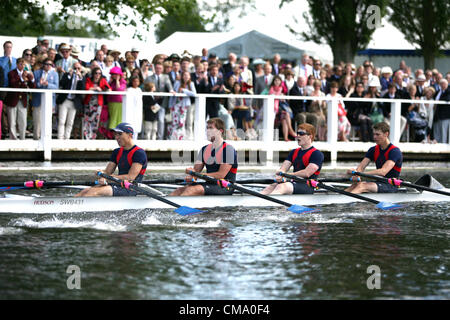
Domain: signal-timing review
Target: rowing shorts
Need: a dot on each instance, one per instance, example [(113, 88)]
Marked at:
[(302, 188), (214, 189), (122, 192), (386, 187)]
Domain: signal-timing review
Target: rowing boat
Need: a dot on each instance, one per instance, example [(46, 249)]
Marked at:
[(42, 205)]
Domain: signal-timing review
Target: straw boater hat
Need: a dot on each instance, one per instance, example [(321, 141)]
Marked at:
[(421, 77), (386, 70), (114, 51), (75, 51)]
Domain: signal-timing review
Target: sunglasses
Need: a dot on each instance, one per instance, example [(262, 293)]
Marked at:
[(48, 64), (302, 133), (98, 73), (28, 54)]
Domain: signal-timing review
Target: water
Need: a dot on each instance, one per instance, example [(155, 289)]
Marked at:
[(239, 253)]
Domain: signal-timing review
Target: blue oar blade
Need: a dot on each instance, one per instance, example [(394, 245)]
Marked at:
[(295, 208), (187, 211), (388, 206)]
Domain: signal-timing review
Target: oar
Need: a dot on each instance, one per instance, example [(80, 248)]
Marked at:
[(315, 183), (291, 207), (398, 182), (182, 210), (43, 184), (243, 181)]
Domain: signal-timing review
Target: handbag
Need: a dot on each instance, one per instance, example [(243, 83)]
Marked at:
[(376, 115)]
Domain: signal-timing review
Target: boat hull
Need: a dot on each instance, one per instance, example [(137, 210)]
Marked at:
[(43, 205)]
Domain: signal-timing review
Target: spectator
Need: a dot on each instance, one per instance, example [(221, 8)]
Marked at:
[(316, 113), (276, 64), (174, 73), (428, 78), (151, 108), (93, 103), (317, 67), (289, 81), (385, 79), (66, 62), (204, 54), (212, 84), (51, 54), (74, 54), (100, 58), (104, 48), (46, 78), (336, 75), (417, 121), (117, 83), (135, 95), (182, 109), (135, 54), (129, 67), (427, 111), (145, 69), (344, 125), (442, 115), (69, 104), (116, 55), (162, 84), (299, 107), (137, 73), (262, 83), (247, 74), (240, 111), (284, 113), (420, 85), (358, 113), (17, 102), (109, 64), (346, 86), (26, 55), (304, 69), (229, 66), (198, 76), (7, 62)]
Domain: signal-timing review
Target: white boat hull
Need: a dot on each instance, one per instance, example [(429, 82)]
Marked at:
[(42, 205)]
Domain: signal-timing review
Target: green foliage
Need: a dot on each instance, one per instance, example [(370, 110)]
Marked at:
[(183, 16), (425, 23), (342, 24)]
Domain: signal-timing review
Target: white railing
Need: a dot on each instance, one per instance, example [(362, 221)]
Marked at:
[(266, 143)]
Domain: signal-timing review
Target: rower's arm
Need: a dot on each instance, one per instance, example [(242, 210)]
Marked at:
[(308, 171), (362, 166), (110, 168), (383, 171), (223, 171), (285, 166), (133, 173)]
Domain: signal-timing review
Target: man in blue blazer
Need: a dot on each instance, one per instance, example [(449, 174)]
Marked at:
[(7, 62), (46, 78)]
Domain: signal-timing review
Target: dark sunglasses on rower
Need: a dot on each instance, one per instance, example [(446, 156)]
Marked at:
[(302, 133)]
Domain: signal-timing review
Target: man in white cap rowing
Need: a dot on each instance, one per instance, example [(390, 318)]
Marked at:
[(129, 158)]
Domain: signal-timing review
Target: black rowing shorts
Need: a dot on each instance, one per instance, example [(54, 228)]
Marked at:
[(302, 188), (122, 192), (214, 189), (386, 187)]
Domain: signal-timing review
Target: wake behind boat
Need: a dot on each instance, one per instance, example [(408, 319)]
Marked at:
[(42, 205)]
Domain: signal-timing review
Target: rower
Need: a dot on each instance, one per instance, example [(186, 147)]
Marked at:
[(131, 160), (307, 162), (388, 161), (220, 160)]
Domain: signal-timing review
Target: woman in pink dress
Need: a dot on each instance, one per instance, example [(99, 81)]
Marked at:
[(283, 113)]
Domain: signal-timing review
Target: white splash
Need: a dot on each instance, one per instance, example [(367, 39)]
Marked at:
[(69, 224), (208, 224), (152, 220), (6, 231)]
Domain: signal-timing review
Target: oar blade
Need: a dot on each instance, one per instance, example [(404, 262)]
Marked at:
[(388, 206), (187, 211), (295, 208)]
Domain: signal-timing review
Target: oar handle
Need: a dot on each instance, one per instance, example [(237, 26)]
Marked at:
[(238, 187), (398, 182), (128, 185), (316, 183)]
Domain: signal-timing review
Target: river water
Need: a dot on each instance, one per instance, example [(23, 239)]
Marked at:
[(240, 253)]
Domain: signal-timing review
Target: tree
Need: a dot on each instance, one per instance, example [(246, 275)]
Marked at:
[(345, 25), (425, 23), (180, 17), (53, 25)]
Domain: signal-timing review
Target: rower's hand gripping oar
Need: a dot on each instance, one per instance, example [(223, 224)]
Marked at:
[(182, 210), (315, 184), (398, 183), (225, 184)]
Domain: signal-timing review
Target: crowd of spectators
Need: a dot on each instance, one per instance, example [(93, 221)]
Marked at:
[(155, 117)]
